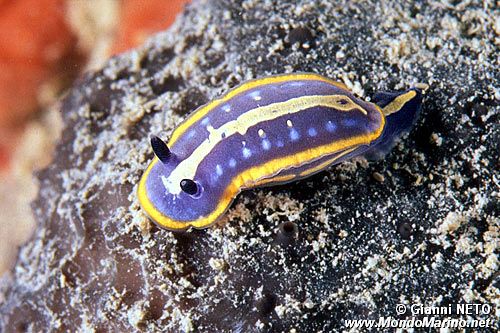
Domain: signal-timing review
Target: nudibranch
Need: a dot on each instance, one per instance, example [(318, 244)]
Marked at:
[(267, 131)]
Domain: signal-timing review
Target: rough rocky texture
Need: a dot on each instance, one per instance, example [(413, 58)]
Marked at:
[(420, 226)]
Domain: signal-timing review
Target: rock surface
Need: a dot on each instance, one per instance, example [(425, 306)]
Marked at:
[(420, 226)]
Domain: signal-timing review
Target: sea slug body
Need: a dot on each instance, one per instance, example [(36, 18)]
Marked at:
[(266, 131)]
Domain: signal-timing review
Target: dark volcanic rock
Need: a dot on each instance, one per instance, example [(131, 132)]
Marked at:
[(420, 226)]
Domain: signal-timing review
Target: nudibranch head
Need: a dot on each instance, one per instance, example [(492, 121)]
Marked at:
[(264, 132)]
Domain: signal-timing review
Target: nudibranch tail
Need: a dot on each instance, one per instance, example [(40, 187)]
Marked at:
[(264, 132), (401, 110)]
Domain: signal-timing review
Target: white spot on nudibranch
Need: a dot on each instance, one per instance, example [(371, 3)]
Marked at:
[(226, 107), (262, 134), (294, 135), (255, 95), (349, 122), (330, 127), (292, 84), (266, 145), (246, 152), (205, 121), (312, 131), (289, 123), (218, 170), (232, 163)]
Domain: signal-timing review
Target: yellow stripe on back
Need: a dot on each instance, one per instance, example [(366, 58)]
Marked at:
[(188, 167)]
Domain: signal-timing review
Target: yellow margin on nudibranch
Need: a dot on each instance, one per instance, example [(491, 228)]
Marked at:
[(286, 178), (201, 112), (323, 165), (277, 179), (257, 172)]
